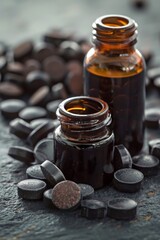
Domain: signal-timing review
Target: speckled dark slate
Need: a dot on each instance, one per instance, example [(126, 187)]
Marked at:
[(28, 220)]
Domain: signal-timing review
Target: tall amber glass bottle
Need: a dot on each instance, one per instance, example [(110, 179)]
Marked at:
[(114, 71)]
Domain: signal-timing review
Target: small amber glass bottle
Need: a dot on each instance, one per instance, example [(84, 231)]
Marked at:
[(114, 71), (83, 143)]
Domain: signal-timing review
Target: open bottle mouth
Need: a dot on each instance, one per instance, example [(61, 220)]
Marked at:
[(83, 116), (115, 29)]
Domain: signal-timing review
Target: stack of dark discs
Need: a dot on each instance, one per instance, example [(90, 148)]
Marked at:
[(35, 78)]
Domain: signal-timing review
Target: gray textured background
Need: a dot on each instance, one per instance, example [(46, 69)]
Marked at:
[(21, 19)]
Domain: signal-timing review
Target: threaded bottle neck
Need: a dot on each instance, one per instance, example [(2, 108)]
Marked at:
[(84, 119), (115, 30)]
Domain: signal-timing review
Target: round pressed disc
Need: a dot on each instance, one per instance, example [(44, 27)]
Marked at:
[(31, 189), (92, 209), (44, 150), (87, 191), (128, 180), (147, 164), (122, 208)]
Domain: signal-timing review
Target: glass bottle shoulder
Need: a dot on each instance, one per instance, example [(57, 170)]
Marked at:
[(108, 63)]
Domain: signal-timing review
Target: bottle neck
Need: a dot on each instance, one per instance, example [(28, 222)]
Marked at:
[(84, 119), (114, 32)]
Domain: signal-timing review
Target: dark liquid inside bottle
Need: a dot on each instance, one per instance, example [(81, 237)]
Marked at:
[(125, 97), (84, 163)]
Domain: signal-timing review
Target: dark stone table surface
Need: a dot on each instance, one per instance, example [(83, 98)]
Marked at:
[(30, 219)]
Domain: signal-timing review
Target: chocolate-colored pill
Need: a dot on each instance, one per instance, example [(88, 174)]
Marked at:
[(35, 172), (47, 198), (121, 157), (43, 50), (31, 65), (156, 151), (128, 180), (22, 154), (37, 79), (152, 143), (20, 128), (122, 208), (11, 108), (108, 172), (66, 195), (40, 132), (152, 117), (70, 50), (52, 108), (40, 97), (10, 90), (52, 173), (55, 67), (87, 191), (93, 209), (56, 36), (147, 164), (23, 50), (75, 66), (44, 150), (59, 91), (16, 68), (15, 79), (74, 82), (35, 123), (30, 113), (31, 189)]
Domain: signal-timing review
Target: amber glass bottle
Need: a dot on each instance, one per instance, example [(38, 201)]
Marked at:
[(83, 143), (114, 71)]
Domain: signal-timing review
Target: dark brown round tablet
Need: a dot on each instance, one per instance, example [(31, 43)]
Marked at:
[(31, 65), (20, 128), (36, 80), (35, 123), (75, 66), (146, 163), (121, 157), (15, 79), (10, 90), (31, 189), (152, 143), (56, 36), (156, 151), (40, 97), (59, 91), (22, 154), (74, 82), (55, 67), (122, 208), (30, 113), (66, 195), (128, 180), (87, 191), (40, 132), (16, 68), (47, 198), (52, 108), (44, 150), (70, 50), (152, 117), (93, 209), (52, 173), (35, 172), (23, 50), (11, 108), (43, 50)]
